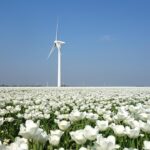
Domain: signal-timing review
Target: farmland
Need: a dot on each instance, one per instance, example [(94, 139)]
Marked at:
[(74, 118)]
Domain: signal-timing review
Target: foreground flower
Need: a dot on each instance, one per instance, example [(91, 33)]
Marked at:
[(145, 126), (78, 136), (146, 145), (19, 144), (132, 133), (63, 125), (108, 143), (102, 125), (41, 135), (2, 147), (92, 116), (28, 131), (119, 130), (31, 130), (76, 115), (90, 133), (54, 137)]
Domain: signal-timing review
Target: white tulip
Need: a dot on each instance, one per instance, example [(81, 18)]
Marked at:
[(2, 147), (1, 121), (145, 126), (23, 132), (108, 143), (40, 135), (90, 133), (3, 112), (78, 136), (119, 130), (143, 116), (146, 145), (102, 125), (9, 119), (20, 115), (54, 137), (83, 148), (132, 133), (76, 115), (92, 116), (61, 148), (19, 144), (29, 130), (46, 116), (63, 125), (54, 140), (107, 117)]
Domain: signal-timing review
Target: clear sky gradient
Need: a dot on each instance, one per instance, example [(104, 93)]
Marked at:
[(107, 42)]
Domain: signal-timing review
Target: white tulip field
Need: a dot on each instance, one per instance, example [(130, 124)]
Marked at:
[(46, 118)]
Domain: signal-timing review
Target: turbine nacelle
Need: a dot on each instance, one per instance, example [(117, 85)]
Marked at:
[(58, 44)]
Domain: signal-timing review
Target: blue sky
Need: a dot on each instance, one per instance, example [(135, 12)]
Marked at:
[(107, 42)]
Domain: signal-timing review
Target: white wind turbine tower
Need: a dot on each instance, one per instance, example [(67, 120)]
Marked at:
[(57, 44)]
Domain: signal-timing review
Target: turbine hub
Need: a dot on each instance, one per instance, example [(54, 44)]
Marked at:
[(58, 44)]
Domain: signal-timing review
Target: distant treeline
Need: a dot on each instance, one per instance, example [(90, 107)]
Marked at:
[(6, 85)]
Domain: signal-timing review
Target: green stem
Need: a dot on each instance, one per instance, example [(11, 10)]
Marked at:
[(77, 147), (133, 143), (34, 146)]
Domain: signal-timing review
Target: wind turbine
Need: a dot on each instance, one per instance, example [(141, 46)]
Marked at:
[(57, 44)]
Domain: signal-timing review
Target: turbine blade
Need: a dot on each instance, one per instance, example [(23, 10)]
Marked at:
[(51, 51), (57, 30)]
